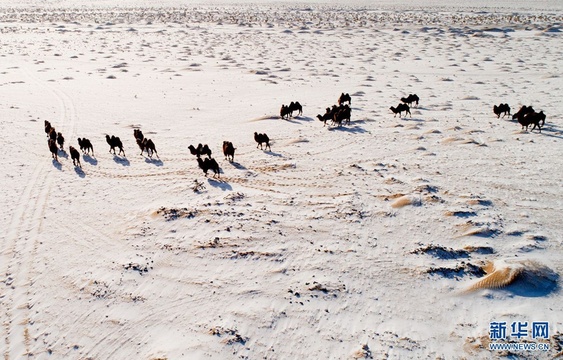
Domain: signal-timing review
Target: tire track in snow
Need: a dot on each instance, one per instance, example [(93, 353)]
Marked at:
[(17, 241), (22, 241)]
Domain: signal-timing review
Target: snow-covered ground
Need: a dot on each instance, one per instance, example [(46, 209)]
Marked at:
[(367, 240)]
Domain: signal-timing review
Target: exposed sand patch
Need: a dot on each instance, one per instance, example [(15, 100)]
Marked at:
[(528, 274)]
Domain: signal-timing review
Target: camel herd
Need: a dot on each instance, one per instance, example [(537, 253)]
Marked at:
[(202, 152), (337, 115), (286, 111), (526, 116)]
